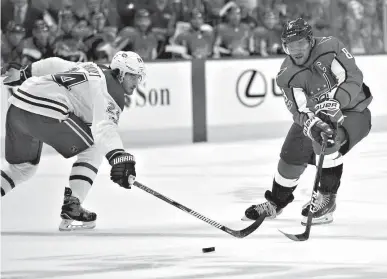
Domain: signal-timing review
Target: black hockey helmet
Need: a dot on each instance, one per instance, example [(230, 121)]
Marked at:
[(296, 30)]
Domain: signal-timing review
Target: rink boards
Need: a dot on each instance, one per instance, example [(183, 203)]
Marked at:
[(219, 100)]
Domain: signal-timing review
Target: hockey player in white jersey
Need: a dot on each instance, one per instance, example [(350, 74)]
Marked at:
[(56, 104)]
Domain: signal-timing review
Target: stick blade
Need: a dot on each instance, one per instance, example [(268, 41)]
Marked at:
[(250, 229), (296, 237)]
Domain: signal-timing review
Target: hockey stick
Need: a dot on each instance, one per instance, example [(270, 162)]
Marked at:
[(240, 234), (305, 235)]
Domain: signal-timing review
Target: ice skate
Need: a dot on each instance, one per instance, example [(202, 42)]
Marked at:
[(73, 211), (253, 212), (325, 206), (277, 199), (269, 208)]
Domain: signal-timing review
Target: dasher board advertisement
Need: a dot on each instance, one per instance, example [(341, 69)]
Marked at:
[(164, 100), (244, 92)]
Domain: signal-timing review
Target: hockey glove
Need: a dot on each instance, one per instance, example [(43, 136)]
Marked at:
[(329, 111), (123, 171), (16, 75), (314, 128)]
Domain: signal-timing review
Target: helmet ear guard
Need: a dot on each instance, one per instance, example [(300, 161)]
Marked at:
[(285, 48)]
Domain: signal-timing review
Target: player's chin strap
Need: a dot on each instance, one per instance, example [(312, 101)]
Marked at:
[(285, 48)]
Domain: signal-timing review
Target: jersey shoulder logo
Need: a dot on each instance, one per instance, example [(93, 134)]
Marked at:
[(282, 71), (325, 39)]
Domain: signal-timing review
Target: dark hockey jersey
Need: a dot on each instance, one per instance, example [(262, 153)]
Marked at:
[(331, 71)]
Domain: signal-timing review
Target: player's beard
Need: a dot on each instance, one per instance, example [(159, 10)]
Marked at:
[(301, 58), (130, 91)]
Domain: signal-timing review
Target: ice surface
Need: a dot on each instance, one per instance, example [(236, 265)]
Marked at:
[(139, 236)]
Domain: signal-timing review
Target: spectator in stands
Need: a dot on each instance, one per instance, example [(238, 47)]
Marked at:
[(277, 7), (101, 37), (66, 22), (127, 9), (233, 38), (212, 10), (249, 5), (197, 42), (11, 47), (163, 25), (353, 26), (180, 11), (21, 12), (267, 38), (292, 8), (247, 18), (54, 8), (319, 17), (90, 7), (66, 45), (161, 17), (39, 45), (141, 38), (372, 27)]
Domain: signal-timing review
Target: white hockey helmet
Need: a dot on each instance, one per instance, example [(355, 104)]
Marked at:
[(128, 62)]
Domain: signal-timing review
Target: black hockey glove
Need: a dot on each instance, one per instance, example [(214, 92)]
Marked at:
[(123, 171), (16, 75), (314, 128)]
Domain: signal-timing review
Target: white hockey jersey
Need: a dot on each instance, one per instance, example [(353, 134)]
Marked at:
[(59, 87)]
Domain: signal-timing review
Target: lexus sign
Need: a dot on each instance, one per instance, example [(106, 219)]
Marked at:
[(251, 88)]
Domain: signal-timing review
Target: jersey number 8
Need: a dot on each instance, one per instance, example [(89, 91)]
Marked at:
[(346, 52)]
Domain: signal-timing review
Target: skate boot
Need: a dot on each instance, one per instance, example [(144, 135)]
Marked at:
[(325, 206), (277, 199), (73, 211), (269, 208)]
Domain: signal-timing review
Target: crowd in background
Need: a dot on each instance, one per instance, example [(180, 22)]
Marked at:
[(94, 30)]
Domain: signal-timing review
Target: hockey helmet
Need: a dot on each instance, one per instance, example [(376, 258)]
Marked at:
[(128, 62), (295, 30)]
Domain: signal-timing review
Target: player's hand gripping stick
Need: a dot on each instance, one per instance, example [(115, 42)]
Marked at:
[(123, 170)]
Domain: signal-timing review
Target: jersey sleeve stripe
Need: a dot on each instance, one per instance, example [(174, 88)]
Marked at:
[(23, 98), (300, 99), (86, 165), (43, 99), (79, 128), (81, 177), (339, 71), (78, 133), (8, 179), (294, 77)]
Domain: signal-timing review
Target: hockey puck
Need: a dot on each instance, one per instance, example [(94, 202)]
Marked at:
[(209, 249)]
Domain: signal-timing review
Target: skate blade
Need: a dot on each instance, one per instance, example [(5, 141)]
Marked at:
[(326, 219), (66, 225), (245, 218)]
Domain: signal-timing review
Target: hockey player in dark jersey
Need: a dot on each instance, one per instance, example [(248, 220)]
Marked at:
[(323, 88)]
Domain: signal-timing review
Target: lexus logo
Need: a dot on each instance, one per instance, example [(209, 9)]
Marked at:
[(251, 88)]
